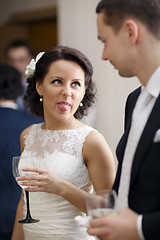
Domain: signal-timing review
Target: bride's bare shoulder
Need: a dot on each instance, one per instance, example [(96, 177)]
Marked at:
[(22, 137), (25, 131)]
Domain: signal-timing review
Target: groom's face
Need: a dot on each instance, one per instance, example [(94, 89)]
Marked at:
[(116, 47)]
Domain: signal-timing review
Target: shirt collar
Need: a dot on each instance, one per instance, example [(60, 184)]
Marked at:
[(8, 104), (153, 85)]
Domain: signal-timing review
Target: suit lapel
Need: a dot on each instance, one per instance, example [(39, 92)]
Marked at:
[(130, 104), (152, 125)]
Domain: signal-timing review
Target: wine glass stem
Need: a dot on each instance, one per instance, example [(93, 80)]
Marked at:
[(28, 209)]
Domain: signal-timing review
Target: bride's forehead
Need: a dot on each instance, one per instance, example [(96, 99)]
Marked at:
[(66, 68)]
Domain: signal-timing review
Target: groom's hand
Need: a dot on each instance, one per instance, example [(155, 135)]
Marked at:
[(121, 226)]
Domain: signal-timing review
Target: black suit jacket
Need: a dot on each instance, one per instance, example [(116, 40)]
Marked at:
[(144, 191)]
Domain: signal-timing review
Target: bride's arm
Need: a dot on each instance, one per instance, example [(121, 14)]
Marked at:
[(99, 160), (100, 163)]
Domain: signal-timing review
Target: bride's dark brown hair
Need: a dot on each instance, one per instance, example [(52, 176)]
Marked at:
[(32, 98)]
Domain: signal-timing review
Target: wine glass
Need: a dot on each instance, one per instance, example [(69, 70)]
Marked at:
[(101, 203), (18, 163)]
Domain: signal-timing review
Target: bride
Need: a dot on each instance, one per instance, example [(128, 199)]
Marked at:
[(72, 157)]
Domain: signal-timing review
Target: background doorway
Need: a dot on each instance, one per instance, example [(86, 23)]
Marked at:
[(39, 27)]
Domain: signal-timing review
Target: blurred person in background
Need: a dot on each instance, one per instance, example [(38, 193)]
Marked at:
[(18, 54), (12, 123)]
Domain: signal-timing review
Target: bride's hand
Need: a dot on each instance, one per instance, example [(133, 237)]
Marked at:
[(41, 180)]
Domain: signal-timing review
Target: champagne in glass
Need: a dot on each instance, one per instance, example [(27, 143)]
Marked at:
[(18, 163), (101, 203)]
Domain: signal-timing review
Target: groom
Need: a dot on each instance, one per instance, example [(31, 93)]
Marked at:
[(130, 32)]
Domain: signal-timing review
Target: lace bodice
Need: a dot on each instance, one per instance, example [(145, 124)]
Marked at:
[(66, 141), (60, 152)]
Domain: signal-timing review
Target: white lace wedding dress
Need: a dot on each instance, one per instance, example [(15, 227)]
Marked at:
[(60, 152)]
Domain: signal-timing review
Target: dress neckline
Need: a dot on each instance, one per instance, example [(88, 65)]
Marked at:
[(64, 130)]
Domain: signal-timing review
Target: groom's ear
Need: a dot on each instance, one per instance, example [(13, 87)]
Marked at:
[(132, 30)]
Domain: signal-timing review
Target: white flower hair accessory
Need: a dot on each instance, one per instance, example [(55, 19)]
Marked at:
[(30, 68)]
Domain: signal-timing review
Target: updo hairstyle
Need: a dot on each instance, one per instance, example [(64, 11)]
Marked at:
[(32, 98)]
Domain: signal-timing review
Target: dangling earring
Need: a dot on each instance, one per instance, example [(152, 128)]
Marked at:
[(41, 99), (81, 104)]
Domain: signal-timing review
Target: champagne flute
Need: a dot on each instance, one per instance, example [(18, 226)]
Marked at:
[(101, 203), (18, 163)]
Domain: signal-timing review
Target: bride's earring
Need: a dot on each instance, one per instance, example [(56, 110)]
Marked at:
[(81, 104), (41, 99)]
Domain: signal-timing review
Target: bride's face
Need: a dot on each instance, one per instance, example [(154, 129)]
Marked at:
[(63, 89)]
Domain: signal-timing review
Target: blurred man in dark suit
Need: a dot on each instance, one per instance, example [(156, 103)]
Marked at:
[(12, 123)]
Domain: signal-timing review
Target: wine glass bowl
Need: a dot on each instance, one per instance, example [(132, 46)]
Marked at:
[(101, 203), (18, 163)]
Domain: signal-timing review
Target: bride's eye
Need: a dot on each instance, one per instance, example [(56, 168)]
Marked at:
[(57, 81), (76, 84)]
